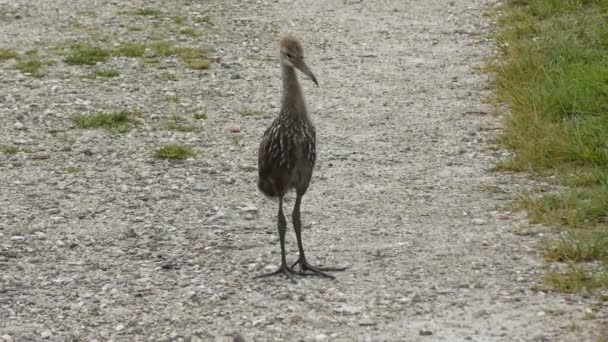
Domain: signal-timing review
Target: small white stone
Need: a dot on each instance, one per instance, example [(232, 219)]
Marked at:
[(478, 221)]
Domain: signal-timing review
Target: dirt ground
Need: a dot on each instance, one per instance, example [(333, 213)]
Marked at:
[(101, 241)]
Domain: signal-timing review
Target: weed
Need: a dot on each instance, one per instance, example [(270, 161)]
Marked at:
[(177, 124), (174, 152), (32, 67), (577, 279), (199, 116), (148, 12), (119, 122), (179, 20), (165, 76), (250, 112), (190, 32), (6, 53), (73, 169), (87, 55), (130, 50), (579, 246), (173, 98), (109, 73)]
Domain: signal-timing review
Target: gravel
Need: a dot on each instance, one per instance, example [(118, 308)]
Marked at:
[(100, 241)]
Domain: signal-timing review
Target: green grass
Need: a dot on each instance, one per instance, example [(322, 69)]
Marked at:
[(251, 112), (130, 50), (199, 116), (87, 55), (148, 12), (174, 152), (173, 98), (190, 32), (116, 122), (6, 53), (577, 279), (553, 75), (107, 73), (14, 150), (165, 76), (177, 124), (179, 20), (194, 58), (33, 67)]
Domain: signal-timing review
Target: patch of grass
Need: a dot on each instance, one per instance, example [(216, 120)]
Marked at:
[(577, 279), (87, 55), (579, 246), (173, 99), (179, 19), (174, 152), (177, 124), (73, 169), (130, 50), (55, 130), (148, 12), (553, 75), (203, 19), (117, 122), (33, 67), (14, 150), (6, 53), (165, 76), (250, 112), (192, 57), (199, 116), (163, 48), (108, 73), (190, 32)]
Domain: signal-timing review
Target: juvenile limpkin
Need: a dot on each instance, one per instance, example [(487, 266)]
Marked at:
[(287, 155)]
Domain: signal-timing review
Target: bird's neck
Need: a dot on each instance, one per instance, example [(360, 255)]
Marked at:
[(293, 99)]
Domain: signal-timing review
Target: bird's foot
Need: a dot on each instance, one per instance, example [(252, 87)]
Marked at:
[(320, 271), (283, 269)]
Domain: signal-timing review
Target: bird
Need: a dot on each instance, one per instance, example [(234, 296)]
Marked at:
[(287, 156)]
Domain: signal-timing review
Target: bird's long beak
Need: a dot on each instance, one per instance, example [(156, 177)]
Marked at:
[(304, 69)]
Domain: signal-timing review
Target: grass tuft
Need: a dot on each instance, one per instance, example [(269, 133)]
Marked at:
[(148, 12), (14, 150), (33, 67), (130, 50), (177, 124), (6, 53), (174, 152), (199, 116), (190, 32), (251, 112), (192, 57), (87, 55), (117, 122), (108, 73)]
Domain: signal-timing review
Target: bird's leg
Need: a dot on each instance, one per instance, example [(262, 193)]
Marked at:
[(282, 225), (297, 225)]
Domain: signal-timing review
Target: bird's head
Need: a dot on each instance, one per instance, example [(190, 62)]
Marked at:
[(292, 55)]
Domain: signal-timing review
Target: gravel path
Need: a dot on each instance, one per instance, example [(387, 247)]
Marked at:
[(101, 241)]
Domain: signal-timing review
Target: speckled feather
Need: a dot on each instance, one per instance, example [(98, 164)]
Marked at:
[(287, 155)]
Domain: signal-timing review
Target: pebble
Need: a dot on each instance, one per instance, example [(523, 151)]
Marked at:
[(425, 332), (235, 76), (349, 310), (366, 322), (478, 221), (46, 334), (119, 327)]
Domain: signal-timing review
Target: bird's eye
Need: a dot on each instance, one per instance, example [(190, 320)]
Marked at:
[(289, 55)]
